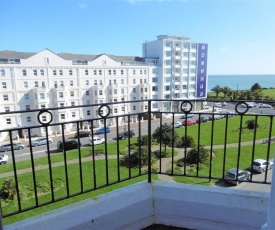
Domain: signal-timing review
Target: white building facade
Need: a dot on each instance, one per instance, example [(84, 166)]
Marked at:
[(45, 79)]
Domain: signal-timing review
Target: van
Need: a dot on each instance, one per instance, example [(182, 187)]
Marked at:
[(67, 145)]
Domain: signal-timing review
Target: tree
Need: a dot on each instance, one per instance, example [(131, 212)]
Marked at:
[(217, 89), (226, 91), (164, 134), (256, 86)]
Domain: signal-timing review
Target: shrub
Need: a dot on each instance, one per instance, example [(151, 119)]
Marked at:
[(251, 124), (133, 159), (8, 190), (143, 140), (194, 156), (187, 141)]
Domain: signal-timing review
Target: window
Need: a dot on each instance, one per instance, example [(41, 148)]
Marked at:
[(43, 106), (88, 102), (71, 83), (114, 72), (72, 93), (61, 95), (202, 62), (144, 71), (41, 95), (7, 108), (140, 80), (28, 107), (87, 93), (155, 79), (167, 88), (61, 83), (36, 84), (72, 103), (95, 72), (134, 90), (100, 72), (35, 72), (88, 112), (29, 119), (134, 107), (202, 54), (87, 82), (115, 110), (202, 70), (134, 71), (24, 72), (43, 84), (110, 92), (201, 86), (114, 81), (54, 72), (42, 72), (203, 47), (61, 72), (141, 90), (115, 91), (73, 114), (86, 72), (100, 92), (144, 80), (95, 82), (8, 121), (134, 81), (122, 81), (145, 90), (70, 72), (168, 53), (26, 96), (109, 72), (140, 71), (62, 116), (2, 73), (154, 88), (122, 91), (100, 82), (121, 72), (4, 85)]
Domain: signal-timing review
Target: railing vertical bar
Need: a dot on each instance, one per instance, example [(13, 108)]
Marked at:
[(173, 140), (79, 159), (93, 155), (211, 146), (253, 147), (149, 141), (269, 144), (129, 147), (106, 153), (239, 145), (139, 140), (33, 170), (117, 147), (65, 163), (160, 142), (224, 146), (199, 131), (15, 173), (50, 163)]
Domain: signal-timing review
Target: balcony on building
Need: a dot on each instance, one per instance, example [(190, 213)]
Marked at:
[(90, 188)]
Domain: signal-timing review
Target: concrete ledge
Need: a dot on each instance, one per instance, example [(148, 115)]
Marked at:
[(168, 203), (201, 207)]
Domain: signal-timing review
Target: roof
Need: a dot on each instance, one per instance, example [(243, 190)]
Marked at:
[(69, 56)]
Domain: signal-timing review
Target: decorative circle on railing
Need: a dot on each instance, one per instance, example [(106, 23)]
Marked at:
[(47, 122), (182, 107), (108, 111), (239, 104)]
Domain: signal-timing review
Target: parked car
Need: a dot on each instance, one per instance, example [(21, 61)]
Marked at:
[(96, 141), (249, 104), (215, 116), (188, 122), (126, 134), (67, 145), (103, 130), (82, 134), (217, 110), (4, 159), (202, 120), (232, 178), (188, 115), (7, 147), (262, 105), (229, 114), (177, 124), (41, 141), (260, 165), (217, 104)]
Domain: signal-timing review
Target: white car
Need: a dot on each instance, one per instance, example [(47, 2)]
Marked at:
[(177, 124), (217, 104), (4, 159), (96, 141), (262, 105), (260, 165), (41, 141)]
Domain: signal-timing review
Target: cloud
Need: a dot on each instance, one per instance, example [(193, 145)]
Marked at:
[(82, 5), (223, 49)]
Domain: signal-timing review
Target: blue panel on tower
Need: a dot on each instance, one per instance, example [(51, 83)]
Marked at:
[(202, 71)]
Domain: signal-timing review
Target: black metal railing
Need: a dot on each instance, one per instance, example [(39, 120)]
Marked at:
[(39, 175)]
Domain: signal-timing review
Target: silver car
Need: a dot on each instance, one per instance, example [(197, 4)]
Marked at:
[(232, 178), (41, 141), (7, 147)]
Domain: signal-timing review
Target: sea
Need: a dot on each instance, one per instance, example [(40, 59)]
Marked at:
[(241, 82)]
